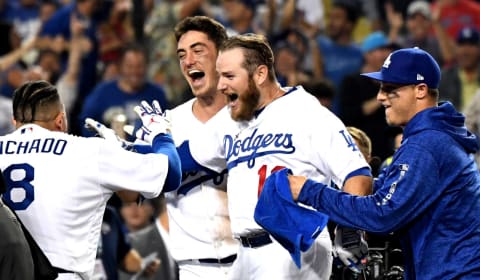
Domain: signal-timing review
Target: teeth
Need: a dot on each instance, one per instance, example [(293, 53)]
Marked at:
[(193, 72), (196, 74)]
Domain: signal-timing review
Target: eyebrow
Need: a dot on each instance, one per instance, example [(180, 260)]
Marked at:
[(192, 46)]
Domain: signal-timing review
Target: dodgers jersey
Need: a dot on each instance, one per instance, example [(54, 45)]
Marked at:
[(293, 131), (198, 213), (59, 184)]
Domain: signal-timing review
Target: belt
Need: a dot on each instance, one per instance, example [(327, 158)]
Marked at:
[(226, 260), (255, 239)]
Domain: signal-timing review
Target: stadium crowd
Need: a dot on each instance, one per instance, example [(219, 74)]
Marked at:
[(106, 56)]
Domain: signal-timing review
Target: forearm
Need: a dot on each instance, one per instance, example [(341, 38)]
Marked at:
[(349, 210), (163, 144), (359, 182)]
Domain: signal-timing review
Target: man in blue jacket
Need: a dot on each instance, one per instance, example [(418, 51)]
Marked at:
[(430, 194)]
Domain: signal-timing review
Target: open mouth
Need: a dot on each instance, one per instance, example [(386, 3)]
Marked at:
[(196, 74)]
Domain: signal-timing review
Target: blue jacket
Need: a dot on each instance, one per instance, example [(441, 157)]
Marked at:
[(429, 196)]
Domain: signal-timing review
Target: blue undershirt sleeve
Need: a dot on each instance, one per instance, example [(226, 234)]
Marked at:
[(163, 144), (188, 162)]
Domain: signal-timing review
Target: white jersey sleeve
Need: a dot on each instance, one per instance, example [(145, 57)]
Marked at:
[(124, 170), (59, 185), (208, 148)]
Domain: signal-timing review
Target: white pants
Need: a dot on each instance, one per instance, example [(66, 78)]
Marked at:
[(202, 271), (272, 261)]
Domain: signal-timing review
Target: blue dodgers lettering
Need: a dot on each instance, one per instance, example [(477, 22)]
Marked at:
[(188, 183), (349, 140), (254, 146), (36, 146)]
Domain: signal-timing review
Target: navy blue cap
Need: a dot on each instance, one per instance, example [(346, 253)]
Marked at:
[(410, 66), (468, 35)]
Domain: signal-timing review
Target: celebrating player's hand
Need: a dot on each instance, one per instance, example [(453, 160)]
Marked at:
[(351, 248), (154, 122), (106, 133)]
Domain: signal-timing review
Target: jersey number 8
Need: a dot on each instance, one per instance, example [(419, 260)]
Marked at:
[(16, 182)]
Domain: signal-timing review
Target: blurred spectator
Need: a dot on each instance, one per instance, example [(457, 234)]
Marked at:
[(119, 96), (56, 34), (238, 16), (26, 19), (323, 90), (457, 14), (305, 15), (358, 95), (310, 61), (137, 216), (6, 62), (460, 80), (47, 9), (114, 34), (114, 250), (340, 54), (420, 24), (15, 72), (164, 68), (47, 67), (288, 65), (153, 239), (67, 84)]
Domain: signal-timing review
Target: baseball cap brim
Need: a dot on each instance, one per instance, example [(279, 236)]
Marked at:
[(374, 75)]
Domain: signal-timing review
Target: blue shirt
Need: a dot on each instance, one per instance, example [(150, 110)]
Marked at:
[(339, 61)]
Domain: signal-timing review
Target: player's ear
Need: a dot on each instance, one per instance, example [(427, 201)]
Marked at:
[(261, 74), (421, 91), (61, 122)]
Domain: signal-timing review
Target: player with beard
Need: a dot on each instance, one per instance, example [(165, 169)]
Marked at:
[(266, 128)]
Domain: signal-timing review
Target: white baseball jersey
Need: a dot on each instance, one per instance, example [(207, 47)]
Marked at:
[(198, 211), (294, 131), (59, 185)]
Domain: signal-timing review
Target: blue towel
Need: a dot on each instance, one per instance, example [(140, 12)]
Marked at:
[(293, 226)]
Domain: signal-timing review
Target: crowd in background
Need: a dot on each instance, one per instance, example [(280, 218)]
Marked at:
[(105, 56)]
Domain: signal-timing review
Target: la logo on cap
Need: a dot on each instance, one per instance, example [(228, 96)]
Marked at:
[(420, 77), (387, 61)]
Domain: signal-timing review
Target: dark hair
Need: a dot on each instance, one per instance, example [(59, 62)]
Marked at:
[(133, 47), (434, 92), (320, 88), (31, 97), (353, 8), (215, 31), (257, 51)]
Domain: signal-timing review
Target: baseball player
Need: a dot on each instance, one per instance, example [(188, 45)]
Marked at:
[(430, 193), (59, 184), (266, 128), (201, 240)]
